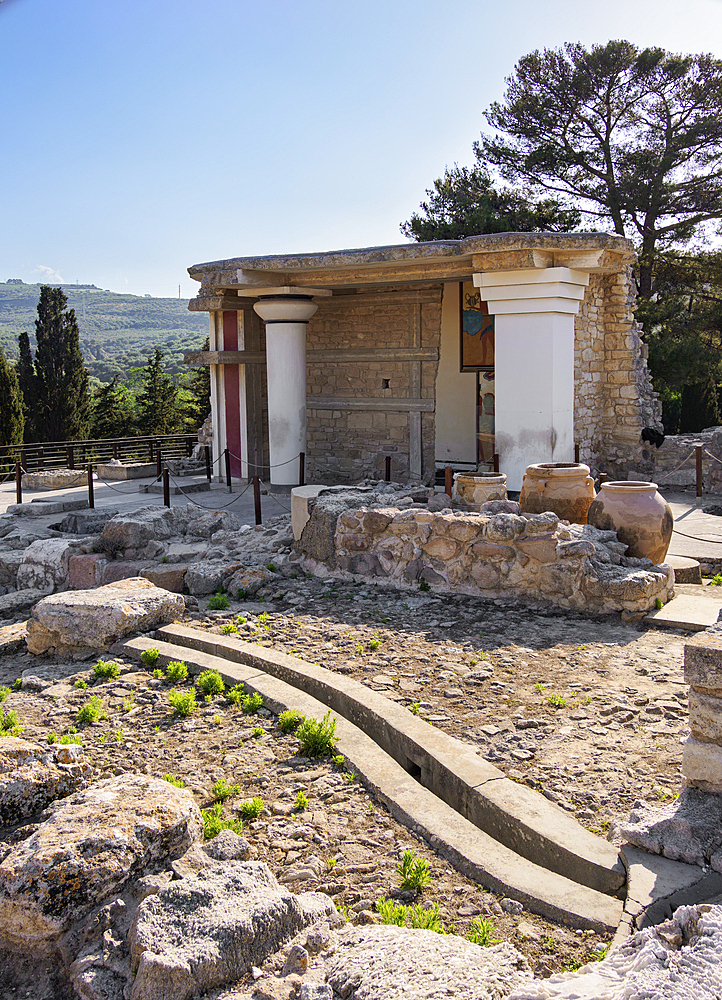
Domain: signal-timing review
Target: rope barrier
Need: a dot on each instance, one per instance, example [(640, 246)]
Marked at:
[(712, 541), (672, 472), (214, 506), (125, 493), (273, 497), (251, 465), (712, 456)]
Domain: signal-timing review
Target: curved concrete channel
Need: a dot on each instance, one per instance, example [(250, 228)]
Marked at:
[(506, 836)]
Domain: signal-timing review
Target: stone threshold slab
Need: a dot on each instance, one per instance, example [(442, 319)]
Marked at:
[(174, 490), (470, 850), (687, 612), (39, 508), (513, 814)]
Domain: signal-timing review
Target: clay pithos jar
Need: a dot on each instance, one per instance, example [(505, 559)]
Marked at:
[(566, 488), (641, 517), (473, 491)]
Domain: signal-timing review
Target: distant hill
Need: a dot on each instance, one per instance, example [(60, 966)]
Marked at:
[(117, 332)]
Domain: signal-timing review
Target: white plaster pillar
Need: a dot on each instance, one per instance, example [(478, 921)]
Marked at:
[(286, 316), (534, 312), (218, 396)]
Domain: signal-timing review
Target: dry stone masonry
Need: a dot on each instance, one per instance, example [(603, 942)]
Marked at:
[(533, 557)]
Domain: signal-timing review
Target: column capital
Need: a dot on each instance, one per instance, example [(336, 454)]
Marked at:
[(533, 290), (285, 308)]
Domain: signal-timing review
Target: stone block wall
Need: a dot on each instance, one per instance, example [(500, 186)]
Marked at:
[(614, 397), (533, 557), (674, 462), (344, 443), (702, 757)]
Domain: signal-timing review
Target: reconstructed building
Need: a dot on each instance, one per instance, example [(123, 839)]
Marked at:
[(442, 353)]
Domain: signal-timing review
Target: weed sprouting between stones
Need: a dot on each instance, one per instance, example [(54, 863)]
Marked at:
[(210, 683), (176, 672), (250, 703), (10, 724), (92, 711), (4, 692), (213, 822), (183, 703), (290, 720), (482, 931), (413, 871), (222, 790), (106, 669), (81, 684), (150, 657), (251, 808), (218, 602), (557, 701), (300, 802), (317, 738), (172, 780)]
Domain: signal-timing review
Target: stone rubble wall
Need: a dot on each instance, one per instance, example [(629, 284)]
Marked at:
[(675, 451), (529, 557), (614, 396), (349, 444)]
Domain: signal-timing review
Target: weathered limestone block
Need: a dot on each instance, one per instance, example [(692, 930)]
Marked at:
[(18, 600), (688, 829), (702, 764), (45, 565), (87, 522), (703, 659), (10, 561), (90, 846), (208, 930), (207, 523), (250, 580), (54, 479), (31, 777), (94, 619), (543, 548), (206, 576), (120, 569), (86, 571), (705, 716), (167, 577), (372, 962), (504, 527), (134, 531)]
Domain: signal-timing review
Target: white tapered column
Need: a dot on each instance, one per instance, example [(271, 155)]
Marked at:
[(286, 317), (534, 314)]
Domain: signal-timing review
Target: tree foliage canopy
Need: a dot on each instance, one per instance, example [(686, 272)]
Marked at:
[(159, 412), (634, 136), (12, 414), (62, 398), (464, 202)]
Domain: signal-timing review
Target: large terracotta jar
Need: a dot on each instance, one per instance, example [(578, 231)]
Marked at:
[(566, 488), (641, 517), (472, 491)]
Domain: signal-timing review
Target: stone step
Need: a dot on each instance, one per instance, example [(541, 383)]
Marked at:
[(470, 849), (203, 487), (685, 570), (691, 611)]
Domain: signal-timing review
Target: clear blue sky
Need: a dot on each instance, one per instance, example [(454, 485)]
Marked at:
[(144, 136)]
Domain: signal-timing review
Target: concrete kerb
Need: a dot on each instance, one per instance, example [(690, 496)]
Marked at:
[(512, 814), (469, 849)]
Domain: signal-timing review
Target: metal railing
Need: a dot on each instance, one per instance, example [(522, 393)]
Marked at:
[(45, 455)]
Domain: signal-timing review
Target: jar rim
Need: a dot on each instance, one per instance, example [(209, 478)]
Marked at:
[(621, 485)]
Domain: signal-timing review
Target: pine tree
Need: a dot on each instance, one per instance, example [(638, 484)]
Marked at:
[(28, 385), (63, 397), (12, 417), (157, 403), (113, 411)]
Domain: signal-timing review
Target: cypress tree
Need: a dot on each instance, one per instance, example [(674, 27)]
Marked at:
[(28, 385), (12, 417), (200, 388), (112, 411), (157, 403), (63, 398)]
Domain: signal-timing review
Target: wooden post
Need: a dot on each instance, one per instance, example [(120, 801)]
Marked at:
[(116, 456), (158, 465), (302, 469), (228, 470), (698, 469), (166, 488), (24, 459), (41, 459), (448, 480), (18, 483), (70, 457), (387, 475), (257, 498), (150, 450), (207, 453), (603, 477), (91, 495), (576, 453), (495, 459)]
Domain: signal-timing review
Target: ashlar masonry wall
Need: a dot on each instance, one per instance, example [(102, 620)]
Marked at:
[(345, 438)]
